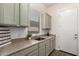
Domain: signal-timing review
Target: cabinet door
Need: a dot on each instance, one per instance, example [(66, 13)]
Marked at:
[(52, 44), (42, 51), (49, 21), (24, 14), (8, 13), (47, 50), (42, 20), (1, 13), (47, 46), (46, 21), (33, 53), (16, 14)]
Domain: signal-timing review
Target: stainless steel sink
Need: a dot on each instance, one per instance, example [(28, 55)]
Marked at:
[(40, 38)]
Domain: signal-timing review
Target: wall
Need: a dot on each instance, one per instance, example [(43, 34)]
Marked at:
[(22, 32), (53, 11)]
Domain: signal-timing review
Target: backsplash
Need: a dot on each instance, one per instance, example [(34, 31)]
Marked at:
[(20, 32)]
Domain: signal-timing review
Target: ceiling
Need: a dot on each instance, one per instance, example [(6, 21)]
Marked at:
[(49, 4)]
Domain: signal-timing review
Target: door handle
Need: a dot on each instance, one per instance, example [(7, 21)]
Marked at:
[(76, 34), (76, 37)]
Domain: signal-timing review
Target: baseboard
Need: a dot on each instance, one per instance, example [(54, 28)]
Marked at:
[(51, 52), (67, 53)]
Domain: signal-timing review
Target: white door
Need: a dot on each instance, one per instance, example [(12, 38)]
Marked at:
[(68, 30), (78, 31)]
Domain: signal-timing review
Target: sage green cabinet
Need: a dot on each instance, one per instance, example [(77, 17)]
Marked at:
[(46, 21), (42, 51), (7, 14), (16, 14), (52, 41), (48, 17), (34, 53), (47, 46), (24, 14), (31, 51), (44, 48), (1, 14)]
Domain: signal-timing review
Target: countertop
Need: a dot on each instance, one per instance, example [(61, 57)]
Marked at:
[(20, 44)]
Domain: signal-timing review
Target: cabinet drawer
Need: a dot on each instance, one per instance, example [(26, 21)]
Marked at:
[(25, 51)]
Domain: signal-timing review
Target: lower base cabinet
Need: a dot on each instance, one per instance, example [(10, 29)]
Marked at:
[(47, 47), (34, 53), (41, 49), (52, 44), (31, 51), (44, 48)]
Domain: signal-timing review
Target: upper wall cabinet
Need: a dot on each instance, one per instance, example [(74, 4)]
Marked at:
[(16, 15), (7, 14), (46, 21), (24, 14)]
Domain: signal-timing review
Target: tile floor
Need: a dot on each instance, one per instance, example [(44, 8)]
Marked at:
[(59, 53)]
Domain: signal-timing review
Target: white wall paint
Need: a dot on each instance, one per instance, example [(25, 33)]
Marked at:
[(60, 7), (53, 11)]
